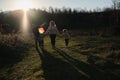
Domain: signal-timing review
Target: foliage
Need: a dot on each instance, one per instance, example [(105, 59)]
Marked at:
[(88, 57), (12, 47), (103, 21)]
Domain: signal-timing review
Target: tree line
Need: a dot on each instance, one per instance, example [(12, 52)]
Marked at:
[(98, 19)]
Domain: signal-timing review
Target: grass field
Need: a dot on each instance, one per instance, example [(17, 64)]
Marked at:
[(86, 58)]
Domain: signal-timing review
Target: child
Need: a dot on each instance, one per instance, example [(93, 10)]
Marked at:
[(66, 37)]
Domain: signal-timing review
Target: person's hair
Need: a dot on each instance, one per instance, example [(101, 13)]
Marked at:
[(52, 23), (65, 30)]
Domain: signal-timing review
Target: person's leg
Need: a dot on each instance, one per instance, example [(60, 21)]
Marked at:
[(36, 43), (41, 42), (66, 42), (53, 37)]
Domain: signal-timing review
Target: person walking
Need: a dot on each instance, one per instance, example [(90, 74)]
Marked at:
[(38, 33), (66, 36), (52, 31)]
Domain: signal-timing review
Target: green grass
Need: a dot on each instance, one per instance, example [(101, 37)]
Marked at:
[(86, 58)]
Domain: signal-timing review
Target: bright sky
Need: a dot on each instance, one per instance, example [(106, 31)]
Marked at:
[(24, 4)]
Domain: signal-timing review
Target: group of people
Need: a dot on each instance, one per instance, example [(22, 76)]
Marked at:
[(39, 34)]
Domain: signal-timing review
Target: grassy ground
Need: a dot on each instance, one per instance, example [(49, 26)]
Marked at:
[(86, 58)]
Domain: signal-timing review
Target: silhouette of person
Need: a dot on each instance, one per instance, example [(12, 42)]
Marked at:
[(52, 31), (66, 36), (38, 36)]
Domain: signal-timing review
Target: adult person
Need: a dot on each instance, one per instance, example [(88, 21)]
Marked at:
[(52, 31), (38, 36)]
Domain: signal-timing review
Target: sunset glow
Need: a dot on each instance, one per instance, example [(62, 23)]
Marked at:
[(24, 4)]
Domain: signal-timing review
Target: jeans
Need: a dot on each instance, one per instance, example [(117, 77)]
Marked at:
[(52, 38), (66, 42)]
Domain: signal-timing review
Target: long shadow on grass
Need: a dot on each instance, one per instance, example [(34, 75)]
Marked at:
[(10, 56), (93, 72), (57, 69), (92, 59)]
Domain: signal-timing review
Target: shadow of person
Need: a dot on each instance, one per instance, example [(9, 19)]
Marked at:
[(57, 69), (93, 72), (91, 58), (40, 52)]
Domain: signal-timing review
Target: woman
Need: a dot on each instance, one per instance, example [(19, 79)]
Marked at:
[(52, 31)]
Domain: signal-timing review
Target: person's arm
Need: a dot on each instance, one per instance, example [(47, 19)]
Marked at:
[(47, 31), (68, 35), (57, 31)]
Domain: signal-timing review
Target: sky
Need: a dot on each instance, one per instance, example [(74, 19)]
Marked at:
[(82, 4)]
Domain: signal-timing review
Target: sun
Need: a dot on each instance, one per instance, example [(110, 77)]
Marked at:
[(24, 4)]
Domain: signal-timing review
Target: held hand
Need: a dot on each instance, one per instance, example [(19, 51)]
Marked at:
[(60, 35)]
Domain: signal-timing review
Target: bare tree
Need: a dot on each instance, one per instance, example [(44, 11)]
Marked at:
[(116, 4), (116, 7)]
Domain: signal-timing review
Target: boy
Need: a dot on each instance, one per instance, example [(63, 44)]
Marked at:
[(66, 36)]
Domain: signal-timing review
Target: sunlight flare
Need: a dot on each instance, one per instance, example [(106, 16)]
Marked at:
[(24, 4), (25, 24), (41, 30), (25, 21)]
